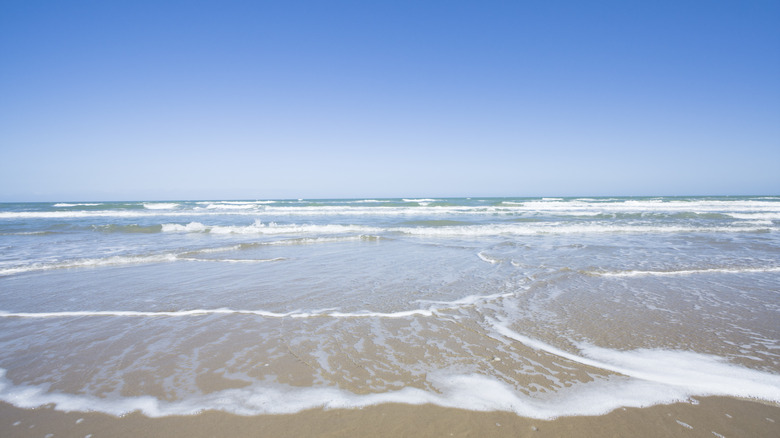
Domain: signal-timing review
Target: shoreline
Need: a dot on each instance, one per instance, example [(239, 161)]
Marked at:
[(706, 417)]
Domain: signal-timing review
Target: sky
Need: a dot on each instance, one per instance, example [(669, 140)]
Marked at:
[(155, 100)]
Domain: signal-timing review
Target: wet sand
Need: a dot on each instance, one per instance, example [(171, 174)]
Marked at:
[(711, 417)]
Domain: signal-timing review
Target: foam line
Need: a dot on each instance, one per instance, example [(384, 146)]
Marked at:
[(462, 391), (525, 229), (687, 272), (132, 313), (468, 391), (90, 262), (276, 259), (693, 373), (221, 311), (487, 258)]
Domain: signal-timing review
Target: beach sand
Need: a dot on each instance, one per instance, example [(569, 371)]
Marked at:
[(711, 417)]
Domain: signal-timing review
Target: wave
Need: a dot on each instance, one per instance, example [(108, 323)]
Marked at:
[(160, 205), (89, 262), (133, 228), (487, 258), (65, 204), (649, 205), (190, 255), (536, 228), (235, 202), (665, 273), (644, 378), (259, 227), (193, 259), (434, 309), (464, 391), (75, 214), (515, 228), (750, 209), (756, 216), (684, 371), (30, 233), (369, 201)]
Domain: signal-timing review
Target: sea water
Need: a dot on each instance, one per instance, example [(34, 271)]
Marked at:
[(541, 306)]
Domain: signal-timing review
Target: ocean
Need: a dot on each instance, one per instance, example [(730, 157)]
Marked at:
[(541, 307)]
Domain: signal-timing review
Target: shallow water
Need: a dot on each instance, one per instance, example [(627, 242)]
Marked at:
[(543, 307)]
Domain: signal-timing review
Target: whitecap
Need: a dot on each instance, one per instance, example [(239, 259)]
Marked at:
[(160, 205)]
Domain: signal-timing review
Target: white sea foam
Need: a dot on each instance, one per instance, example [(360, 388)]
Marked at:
[(746, 270), (369, 201), (658, 377), (466, 301), (235, 202), (192, 259), (236, 205), (160, 205), (685, 425), (133, 313), (332, 239), (178, 256), (259, 227), (89, 263), (192, 227), (739, 209), (756, 216), (487, 258), (221, 311), (98, 213), (643, 377), (65, 204), (231, 206), (523, 229), (468, 391), (686, 372)]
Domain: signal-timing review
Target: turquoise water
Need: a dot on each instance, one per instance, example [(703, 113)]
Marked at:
[(541, 306)]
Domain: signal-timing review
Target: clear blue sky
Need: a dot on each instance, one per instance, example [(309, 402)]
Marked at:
[(124, 100)]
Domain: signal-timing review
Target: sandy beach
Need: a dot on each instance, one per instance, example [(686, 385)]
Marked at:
[(712, 416)]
